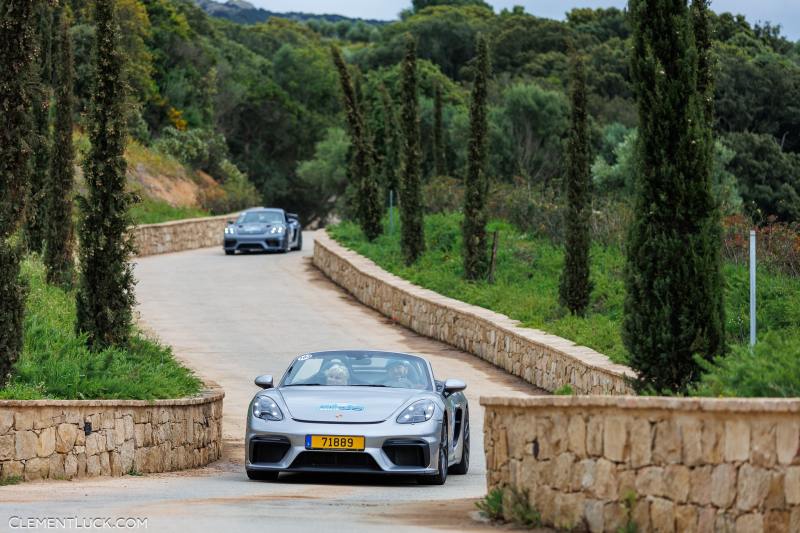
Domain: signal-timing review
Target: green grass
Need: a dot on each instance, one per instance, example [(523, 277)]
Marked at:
[(527, 278), (56, 364), (10, 480), (155, 211)]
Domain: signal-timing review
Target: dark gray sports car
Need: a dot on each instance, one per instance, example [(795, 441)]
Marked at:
[(358, 411), (262, 229)]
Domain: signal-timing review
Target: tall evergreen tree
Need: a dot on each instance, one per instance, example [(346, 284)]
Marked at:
[(391, 156), (369, 209), (36, 212), (16, 51), (575, 283), (673, 305), (438, 133), (60, 237), (412, 237), (105, 298), (476, 258)]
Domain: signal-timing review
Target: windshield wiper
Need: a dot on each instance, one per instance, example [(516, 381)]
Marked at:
[(305, 385), (372, 385)]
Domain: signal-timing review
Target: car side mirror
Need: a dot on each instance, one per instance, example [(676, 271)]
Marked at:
[(454, 385), (265, 382)]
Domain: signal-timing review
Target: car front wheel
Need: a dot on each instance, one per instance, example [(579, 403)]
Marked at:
[(441, 475)]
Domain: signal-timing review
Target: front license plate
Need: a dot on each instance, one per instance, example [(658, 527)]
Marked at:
[(334, 442)]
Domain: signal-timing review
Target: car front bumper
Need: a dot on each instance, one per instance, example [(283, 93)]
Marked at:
[(390, 448), (263, 242)]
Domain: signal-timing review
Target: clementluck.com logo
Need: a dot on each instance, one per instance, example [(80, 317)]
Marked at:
[(76, 522)]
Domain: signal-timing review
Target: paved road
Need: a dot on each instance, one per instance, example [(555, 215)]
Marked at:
[(232, 318)]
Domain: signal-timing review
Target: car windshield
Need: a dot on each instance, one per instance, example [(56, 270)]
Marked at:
[(359, 369), (261, 217)]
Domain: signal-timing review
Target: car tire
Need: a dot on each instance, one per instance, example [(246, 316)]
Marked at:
[(299, 243), (261, 475), (230, 252), (441, 476), (462, 467)]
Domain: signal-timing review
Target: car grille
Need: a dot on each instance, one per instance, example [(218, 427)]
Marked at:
[(408, 452), (268, 449), (274, 243), (230, 243), (345, 460), (250, 246)]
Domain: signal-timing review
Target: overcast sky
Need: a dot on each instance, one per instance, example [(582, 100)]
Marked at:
[(784, 12)]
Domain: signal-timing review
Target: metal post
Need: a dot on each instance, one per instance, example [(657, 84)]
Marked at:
[(752, 288), (391, 212)]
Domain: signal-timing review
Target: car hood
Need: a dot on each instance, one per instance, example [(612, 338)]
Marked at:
[(344, 404)]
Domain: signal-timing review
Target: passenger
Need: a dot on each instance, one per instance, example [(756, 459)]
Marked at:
[(398, 376), (337, 375)]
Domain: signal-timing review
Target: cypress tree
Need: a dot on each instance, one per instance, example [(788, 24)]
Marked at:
[(412, 237), (476, 258), (438, 133), (369, 209), (16, 51), (673, 305), (575, 284), (60, 236), (36, 214), (105, 297), (391, 159)]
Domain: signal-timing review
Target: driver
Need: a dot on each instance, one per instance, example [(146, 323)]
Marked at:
[(398, 375), (337, 374)]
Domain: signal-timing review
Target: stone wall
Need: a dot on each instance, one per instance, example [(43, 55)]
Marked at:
[(547, 361), (64, 439), (180, 235), (694, 464)]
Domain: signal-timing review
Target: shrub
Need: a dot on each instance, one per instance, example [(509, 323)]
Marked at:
[(238, 192), (771, 369), (778, 243)]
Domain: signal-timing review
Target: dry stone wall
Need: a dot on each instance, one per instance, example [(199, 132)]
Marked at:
[(65, 439), (694, 465), (180, 235), (547, 361)]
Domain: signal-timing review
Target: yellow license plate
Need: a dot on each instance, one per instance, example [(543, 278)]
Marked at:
[(334, 442)]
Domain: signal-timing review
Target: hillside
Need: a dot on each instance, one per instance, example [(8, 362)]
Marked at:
[(246, 13)]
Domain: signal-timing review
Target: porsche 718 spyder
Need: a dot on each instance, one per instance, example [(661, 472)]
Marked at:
[(261, 229), (358, 412)]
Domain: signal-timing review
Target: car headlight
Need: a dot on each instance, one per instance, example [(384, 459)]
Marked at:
[(265, 408), (230, 231), (277, 229), (420, 411)]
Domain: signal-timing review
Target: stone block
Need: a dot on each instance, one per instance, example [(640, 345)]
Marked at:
[(776, 499), (93, 468), (641, 442), (737, 440), (57, 466), (777, 522), (23, 419), (66, 435), (46, 445), (712, 441), (650, 481), (762, 444), (787, 441), (700, 485), (706, 518), (7, 448), (792, 485), (593, 512), (70, 466), (794, 519), (25, 444), (753, 485), (615, 438), (614, 516), (576, 436), (692, 439), (686, 518), (750, 523), (667, 443), (562, 471), (723, 485), (662, 515), (594, 436), (677, 483), (37, 468), (605, 481), (6, 420)]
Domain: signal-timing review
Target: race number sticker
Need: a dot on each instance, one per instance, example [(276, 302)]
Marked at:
[(304, 357)]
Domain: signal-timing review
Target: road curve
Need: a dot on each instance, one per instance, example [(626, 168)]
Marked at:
[(230, 319)]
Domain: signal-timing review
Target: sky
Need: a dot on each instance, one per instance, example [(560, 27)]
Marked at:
[(783, 12)]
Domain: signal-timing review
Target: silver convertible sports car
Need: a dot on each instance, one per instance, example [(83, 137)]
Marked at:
[(262, 229), (358, 412)]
